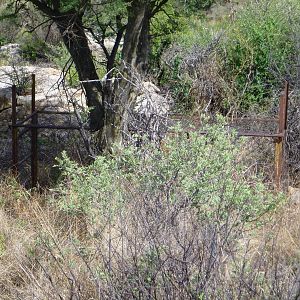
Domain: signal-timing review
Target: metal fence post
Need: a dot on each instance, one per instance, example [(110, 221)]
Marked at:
[(279, 142), (34, 135), (14, 131)]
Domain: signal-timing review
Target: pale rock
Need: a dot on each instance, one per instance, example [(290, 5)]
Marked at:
[(49, 89), (294, 195), (11, 51), (150, 101)]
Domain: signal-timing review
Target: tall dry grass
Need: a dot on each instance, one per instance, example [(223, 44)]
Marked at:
[(148, 251)]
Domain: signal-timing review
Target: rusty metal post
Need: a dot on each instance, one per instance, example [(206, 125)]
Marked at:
[(279, 142), (14, 131), (34, 135)]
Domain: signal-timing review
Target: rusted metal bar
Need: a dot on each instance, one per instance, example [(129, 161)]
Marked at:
[(25, 120), (249, 134), (256, 119), (34, 135), (24, 131), (14, 131), (260, 134), (286, 95), (279, 142), (41, 126), (50, 112)]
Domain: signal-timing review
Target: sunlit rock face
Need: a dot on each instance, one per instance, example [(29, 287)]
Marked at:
[(11, 52), (294, 195), (50, 90), (150, 111)]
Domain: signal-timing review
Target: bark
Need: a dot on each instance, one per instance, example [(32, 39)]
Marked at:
[(143, 50), (74, 38), (109, 104), (133, 40)]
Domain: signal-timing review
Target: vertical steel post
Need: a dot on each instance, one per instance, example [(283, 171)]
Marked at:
[(14, 131), (279, 143), (34, 134)]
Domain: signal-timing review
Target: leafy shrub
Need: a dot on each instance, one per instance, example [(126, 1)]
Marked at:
[(191, 66), (247, 56), (33, 48), (164, 26), (60, 56), (204, 171), (9, 23), (88, 186), (159, 223), (259, 49), (178, 84)]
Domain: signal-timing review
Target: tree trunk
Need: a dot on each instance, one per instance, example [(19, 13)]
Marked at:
[(75, 40), (109, 104), (143, 50), (135, 54), (136, 46)]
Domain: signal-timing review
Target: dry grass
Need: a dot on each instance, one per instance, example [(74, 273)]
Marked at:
[(45, 254)]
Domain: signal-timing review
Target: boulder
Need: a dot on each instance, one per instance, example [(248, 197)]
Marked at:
[(5, 96), (11, 51), (49, 91), (294, 195), (150, 112), (150, 102)]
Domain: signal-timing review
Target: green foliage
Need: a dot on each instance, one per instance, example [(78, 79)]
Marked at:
[(163, 26), (60, 56), (65, 5), (194, 6), (204, 172), (194, 33), (179, 85), (33, 48), (70, 5), (259, 48), (103, 18), (9, 24), (95, 184)]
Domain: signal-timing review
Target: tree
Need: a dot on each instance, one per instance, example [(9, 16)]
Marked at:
[(104, 100)]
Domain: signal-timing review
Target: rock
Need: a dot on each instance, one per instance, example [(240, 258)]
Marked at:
[(294, 195), (5, 96), (150, 111), (96, 48), (49, 91), (12, 52), (150, 101)]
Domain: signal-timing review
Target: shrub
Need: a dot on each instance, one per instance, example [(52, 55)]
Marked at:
[(260, 48), (244, 59), (9, 23), (33, 48), (156, 223), (204, 171), (60, 56)]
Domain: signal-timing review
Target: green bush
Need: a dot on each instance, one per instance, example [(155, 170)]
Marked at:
[(179, 84), (259, 49), (204, 172), (256, 50), (33, 48), (87, 186), (9, 23), (150, 223), (60, 56), (164, 26)]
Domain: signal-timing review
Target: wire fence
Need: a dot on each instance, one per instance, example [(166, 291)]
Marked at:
[(263, 152)]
